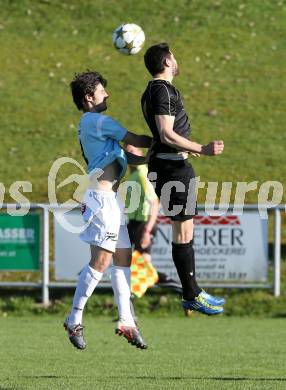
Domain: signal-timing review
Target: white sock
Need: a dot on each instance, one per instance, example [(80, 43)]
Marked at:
[(87, 281), (120, 280)]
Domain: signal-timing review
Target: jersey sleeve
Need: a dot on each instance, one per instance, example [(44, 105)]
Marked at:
[(112, 129), (163, 100)]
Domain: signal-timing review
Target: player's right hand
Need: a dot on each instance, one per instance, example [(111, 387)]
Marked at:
[(146, 239), (214, 148)]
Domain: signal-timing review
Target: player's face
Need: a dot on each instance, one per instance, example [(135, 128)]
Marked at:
[(99, 98), (174, 64)]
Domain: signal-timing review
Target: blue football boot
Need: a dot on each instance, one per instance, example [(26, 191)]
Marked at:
[(201, 305), (214, 301)]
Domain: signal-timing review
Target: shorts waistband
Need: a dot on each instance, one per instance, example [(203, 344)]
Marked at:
[(110, 194)]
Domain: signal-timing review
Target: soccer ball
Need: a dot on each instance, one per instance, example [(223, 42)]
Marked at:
[(128, 38)]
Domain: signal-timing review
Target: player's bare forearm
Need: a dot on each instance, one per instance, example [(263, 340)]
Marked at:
[(165, 125), (211, 149), (181, 143), (153, 215), (133, 159)]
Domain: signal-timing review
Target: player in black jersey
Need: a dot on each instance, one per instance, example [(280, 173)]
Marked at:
[(172, 175)]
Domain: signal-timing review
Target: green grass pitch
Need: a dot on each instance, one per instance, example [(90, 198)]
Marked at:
[(184, 353)]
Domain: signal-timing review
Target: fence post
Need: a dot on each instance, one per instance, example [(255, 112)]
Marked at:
[(45, 271), (277, 252)]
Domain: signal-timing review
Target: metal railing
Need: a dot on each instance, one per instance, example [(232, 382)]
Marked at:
[(46, 284)]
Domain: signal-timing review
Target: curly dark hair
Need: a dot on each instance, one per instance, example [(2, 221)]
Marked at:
[(85, 84), (155, 57)]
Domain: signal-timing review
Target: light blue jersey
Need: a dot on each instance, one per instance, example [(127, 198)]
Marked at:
[(99, 136)]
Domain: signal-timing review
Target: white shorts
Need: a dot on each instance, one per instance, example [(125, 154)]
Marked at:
[(103, 211)]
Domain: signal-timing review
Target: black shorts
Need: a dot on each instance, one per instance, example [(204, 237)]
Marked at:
[(135, 230), (175, 186)]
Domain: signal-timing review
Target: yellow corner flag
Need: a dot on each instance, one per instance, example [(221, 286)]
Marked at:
[(143, 274)]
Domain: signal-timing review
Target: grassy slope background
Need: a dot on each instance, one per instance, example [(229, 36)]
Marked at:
[(231, 55)]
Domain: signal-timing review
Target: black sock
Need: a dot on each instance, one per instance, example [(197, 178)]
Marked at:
[(184, 260)]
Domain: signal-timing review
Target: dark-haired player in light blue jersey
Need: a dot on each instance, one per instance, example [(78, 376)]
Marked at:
[(106, 231)]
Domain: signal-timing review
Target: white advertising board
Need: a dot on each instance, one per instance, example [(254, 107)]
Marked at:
[(227, 248)]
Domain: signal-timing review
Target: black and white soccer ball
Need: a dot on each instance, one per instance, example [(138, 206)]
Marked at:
[(128, 38)]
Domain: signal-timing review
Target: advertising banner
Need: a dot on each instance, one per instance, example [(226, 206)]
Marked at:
[(228, 248), (20, 238)]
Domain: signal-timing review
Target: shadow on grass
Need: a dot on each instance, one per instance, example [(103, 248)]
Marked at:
[(216, 378), (111, 378)]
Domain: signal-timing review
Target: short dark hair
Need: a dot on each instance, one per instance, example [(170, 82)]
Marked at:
[(85, 84), (155, 57)]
